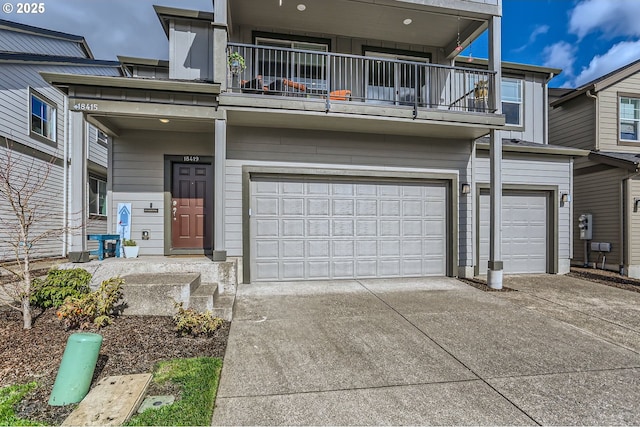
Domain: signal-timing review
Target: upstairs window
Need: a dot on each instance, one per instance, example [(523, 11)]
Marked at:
[(97, 197), (629, 118), (512, 101), (43, 117)]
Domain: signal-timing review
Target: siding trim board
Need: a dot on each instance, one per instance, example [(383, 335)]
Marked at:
[(33, 152), (449, 179), (553, 204)]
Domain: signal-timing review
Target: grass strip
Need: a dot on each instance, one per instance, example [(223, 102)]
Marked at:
[(198, 379), (11, 396)]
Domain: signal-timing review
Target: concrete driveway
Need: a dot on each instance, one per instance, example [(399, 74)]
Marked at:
[(432, 351)]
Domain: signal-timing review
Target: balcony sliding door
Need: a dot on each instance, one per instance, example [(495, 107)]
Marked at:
[(390, 80), (305, 66)]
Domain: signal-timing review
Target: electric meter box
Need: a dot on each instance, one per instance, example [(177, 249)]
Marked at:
[(585, 224)]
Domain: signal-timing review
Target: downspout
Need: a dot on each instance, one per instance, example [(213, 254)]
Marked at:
[(65, 179), (545, 102), (596, 119)]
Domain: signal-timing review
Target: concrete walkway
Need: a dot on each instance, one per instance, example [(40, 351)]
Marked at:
[(432, 351)]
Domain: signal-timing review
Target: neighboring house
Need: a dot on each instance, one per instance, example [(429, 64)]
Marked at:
[(333, 149), (603, 116), (34, 122)]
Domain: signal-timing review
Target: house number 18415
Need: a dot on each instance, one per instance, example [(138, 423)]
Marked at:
[(191, 158)]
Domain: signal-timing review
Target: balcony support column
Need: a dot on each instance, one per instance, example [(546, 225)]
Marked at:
[(219, 172), (220, 40), (77, 184), (495, 270)]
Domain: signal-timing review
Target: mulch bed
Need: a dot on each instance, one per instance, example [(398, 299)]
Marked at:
[(606, 277), (131, 345)]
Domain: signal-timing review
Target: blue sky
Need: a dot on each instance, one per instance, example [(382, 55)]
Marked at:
[(585, 38)]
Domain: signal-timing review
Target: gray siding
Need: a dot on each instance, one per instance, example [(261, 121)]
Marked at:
[(608, 103), (533, 170), (15, 79), (138, 178), (633, 234), (533, 111), (191, 51), (573, 124), (290, 148), (96, 152), (11, 41), (47, 203), (599, 194)]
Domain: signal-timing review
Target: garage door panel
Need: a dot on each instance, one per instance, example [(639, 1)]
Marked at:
[(524, 232), (345, 230)]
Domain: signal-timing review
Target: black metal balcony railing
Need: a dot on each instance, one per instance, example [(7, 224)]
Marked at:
[(337, 77)]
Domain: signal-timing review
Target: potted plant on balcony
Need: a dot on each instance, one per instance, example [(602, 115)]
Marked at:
[(236, 63), (131, 248)]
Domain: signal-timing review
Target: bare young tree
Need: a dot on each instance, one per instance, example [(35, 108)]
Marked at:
[(26, 221)]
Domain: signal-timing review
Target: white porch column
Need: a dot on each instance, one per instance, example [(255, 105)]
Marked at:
[(494, 275), (77, 222), (219, 168)]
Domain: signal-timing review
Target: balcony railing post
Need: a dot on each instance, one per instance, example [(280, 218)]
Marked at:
[(330, 63)]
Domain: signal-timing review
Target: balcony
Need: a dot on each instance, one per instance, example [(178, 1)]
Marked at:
[(349, 79), (370, 94)]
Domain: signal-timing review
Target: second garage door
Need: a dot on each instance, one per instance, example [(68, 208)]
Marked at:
[(524, 232), (344, 229)]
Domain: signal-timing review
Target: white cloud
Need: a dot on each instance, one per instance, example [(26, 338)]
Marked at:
[(539, 30), (613, 18), (618, 56), (560, 55)]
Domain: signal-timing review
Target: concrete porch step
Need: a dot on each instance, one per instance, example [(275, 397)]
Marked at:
[(153, 294), (203, 298), (223, 306)]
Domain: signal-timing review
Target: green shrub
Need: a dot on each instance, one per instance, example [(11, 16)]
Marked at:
[(95, 309), (9, 397), (191, 322), (58, 285)]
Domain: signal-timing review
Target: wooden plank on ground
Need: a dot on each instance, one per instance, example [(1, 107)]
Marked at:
[(111, 402)]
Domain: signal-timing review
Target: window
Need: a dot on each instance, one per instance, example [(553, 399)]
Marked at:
[(629, 117), (43, 117), (97, 197), (512, 101), (103, 138)]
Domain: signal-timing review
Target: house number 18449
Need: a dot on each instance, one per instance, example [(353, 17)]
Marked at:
[(191, 158)]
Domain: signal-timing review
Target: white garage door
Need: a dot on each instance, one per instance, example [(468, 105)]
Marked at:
[(524, 232), (343, 229)]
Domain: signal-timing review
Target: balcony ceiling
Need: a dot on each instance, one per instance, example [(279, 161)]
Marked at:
[(365, 19)]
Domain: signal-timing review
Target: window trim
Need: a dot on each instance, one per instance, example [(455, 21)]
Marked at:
[(513, 126), (52, 142), (93, 215), (625, 142)]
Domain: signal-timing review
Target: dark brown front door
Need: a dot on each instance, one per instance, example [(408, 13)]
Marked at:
[(191, 208)]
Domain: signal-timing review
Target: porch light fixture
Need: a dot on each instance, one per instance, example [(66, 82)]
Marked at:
[(164, 120), (465, 188), (407, 21), (565, 198), (301, 7)]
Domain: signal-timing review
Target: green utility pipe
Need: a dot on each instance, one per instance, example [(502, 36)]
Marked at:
[(76, 369)]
